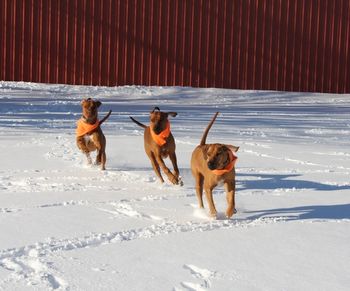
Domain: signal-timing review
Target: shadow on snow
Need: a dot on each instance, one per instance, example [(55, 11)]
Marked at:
[(338, 211)]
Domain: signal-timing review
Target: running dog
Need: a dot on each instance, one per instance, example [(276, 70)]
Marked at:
[(89, 135), (210, 165), (159, 144)]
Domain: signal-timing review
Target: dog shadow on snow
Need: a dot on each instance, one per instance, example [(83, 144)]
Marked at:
[(284, 183), (317, 212)]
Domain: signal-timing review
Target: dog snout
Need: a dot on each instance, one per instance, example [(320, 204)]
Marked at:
[(157, 129), (211, 165)]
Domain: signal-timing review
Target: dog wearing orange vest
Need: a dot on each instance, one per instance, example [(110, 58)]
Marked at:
[(159, 144), (212, 164), (89, 135)]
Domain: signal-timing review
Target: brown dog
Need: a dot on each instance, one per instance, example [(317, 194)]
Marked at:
[(210, 165), (159, 143), (89, 134)]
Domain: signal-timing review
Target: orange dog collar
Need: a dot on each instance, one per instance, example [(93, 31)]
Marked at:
[(160, 139), (84, 127), (229, 167)]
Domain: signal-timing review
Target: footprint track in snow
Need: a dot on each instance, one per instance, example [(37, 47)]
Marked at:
[(19, 260), (205, 276), (126, 209), (10, 210), (33, 270)]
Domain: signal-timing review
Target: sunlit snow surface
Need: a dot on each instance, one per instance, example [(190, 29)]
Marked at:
[(68, 226)]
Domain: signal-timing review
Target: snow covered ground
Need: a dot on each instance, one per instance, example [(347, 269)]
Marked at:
[(67, 226)]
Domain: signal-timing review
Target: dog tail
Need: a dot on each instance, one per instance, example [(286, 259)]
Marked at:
[(106, 117), (138, 123), (204, 137)]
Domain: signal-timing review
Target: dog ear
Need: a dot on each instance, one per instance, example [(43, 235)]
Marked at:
[(98, 103), (172, 113), (155, 108), (232, 148)]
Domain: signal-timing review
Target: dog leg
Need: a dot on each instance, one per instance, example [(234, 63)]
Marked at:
[(98, 158), (103, 160), (209, 194), (230, 197), (99, 142), (199, 188), (84, 148), (174, 162), (176, 169), (170, 175), (155, 166)]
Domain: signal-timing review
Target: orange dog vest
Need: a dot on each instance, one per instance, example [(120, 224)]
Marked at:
[(229, 167), (160, 139), (84, 127)]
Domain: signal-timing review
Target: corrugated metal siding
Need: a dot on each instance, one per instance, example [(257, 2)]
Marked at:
[(291, 45)]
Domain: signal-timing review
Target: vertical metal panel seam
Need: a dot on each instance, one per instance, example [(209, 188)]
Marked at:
[(175, 40), (199, 40), (183, 42), (263, 47), (48, 47), (100, 43), (150, 69), (207, 84), (134, 78), (158, 47), (270, 46), (192, 69), (57, 42), (286, 50), (293, 47), (338, 46), (317, 45), (13, 42), (109, 35), (278, 61), (225, 28), (231, 45), (302, 32), (309, 40), (347, 53), (22, 60), (117, 49), (142, 42), (324, 49), (3, 39), (330, 60), (167, 56), (214, 56), (75, 41), (66, 65), (246, 55), (239, 45), (255, 41)]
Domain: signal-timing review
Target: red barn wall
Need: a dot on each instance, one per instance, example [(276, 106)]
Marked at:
[(289, 45)]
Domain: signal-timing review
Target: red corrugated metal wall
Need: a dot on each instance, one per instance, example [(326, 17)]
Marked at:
[(290, 45)]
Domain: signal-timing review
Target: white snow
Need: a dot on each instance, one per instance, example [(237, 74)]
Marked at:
[(68, 226)]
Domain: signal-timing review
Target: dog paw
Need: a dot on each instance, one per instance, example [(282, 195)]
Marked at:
[(230, 212), (173, 180), (213, 215)]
